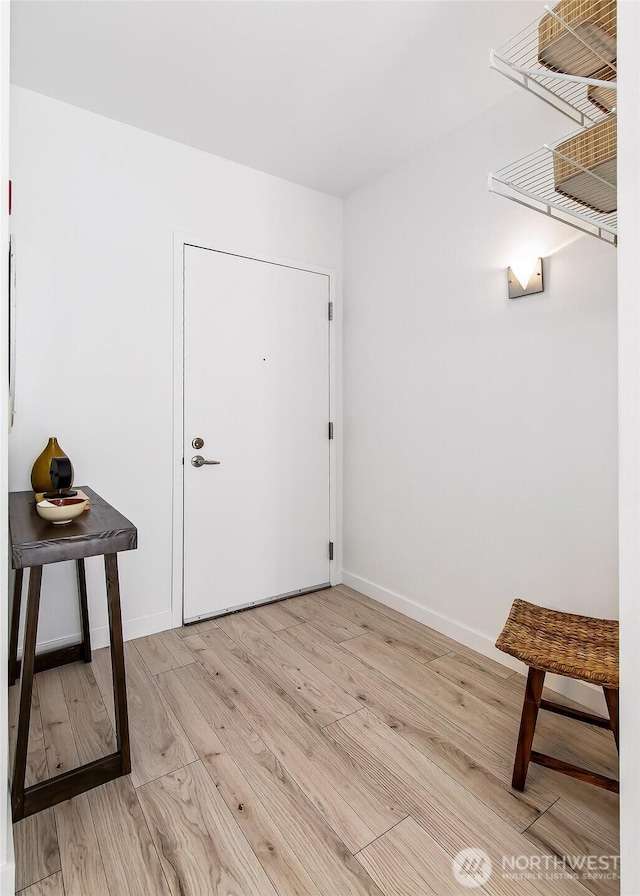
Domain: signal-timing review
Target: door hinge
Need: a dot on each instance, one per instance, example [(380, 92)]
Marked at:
[(331, 430), (330, 550), (330, 310)]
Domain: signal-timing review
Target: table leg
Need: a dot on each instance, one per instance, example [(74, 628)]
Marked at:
[(117, 661), (26, 688), (15, 625), (84, 611)]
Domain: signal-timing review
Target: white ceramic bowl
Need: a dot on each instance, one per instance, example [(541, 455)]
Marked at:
[(60, 511)]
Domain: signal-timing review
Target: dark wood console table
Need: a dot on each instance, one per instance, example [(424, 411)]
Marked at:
[(101, 530)]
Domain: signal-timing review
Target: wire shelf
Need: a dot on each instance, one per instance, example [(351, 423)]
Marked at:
[(573, 181), (567, 58)]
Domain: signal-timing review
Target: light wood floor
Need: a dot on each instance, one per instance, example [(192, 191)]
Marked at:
[(322, 746)]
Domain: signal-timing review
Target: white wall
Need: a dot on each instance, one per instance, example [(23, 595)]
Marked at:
[(480, 433), (6, 839), (629, 379), (96, 206)]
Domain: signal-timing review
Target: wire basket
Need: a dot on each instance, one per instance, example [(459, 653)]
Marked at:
[(567, 58), (577, 36), (584, 167), (572, 182)]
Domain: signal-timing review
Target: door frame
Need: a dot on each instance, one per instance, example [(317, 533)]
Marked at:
[(180, 240)]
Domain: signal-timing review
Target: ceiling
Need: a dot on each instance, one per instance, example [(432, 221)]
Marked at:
[(325, 94)]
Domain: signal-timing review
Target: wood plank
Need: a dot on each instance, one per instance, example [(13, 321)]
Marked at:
[(453, 816), (417, 641), (92, 729), (323, 796), (202, 736), (59, 741), (497, 730), (37, 767), (158, 743), (492, 687), (243, 680), (494, 725), (574, 834), (314, 691), (418, 629), (163, 651), (257, 823), (80, 852), (197, 838), (327, 779), (406, 861), (276, 856), (310, 609), (35, 838), (583, 797), (195, 628), (50, 886), (325, 857), (128, 854), (504, 693), (276, 616), (485, 773), (173, 642), (36, 848), (36, 770), (568, 738)]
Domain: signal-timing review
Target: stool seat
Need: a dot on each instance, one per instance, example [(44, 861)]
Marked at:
[(581, 647)]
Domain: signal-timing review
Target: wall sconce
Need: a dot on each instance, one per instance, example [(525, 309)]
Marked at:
[(524, 281)]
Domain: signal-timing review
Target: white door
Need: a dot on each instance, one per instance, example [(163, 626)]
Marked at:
[(256, 391)]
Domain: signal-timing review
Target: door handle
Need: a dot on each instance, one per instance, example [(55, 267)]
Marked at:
[(199, 461)]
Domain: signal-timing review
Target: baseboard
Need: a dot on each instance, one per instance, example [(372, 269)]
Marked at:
[(580, 691), (8, 867), (7, 879), (143, 625), (131, 628)]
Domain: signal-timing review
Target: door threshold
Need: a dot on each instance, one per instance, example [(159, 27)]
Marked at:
[(257, 603)]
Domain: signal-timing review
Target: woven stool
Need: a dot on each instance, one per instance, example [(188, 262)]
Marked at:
[(579, 647)]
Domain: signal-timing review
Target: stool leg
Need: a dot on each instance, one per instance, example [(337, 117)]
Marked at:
[(117, 661), (84, 611), (611, 696), (26, 688), (15, 625), (532, 697)]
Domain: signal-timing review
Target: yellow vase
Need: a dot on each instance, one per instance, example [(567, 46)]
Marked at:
[(40, 476)]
